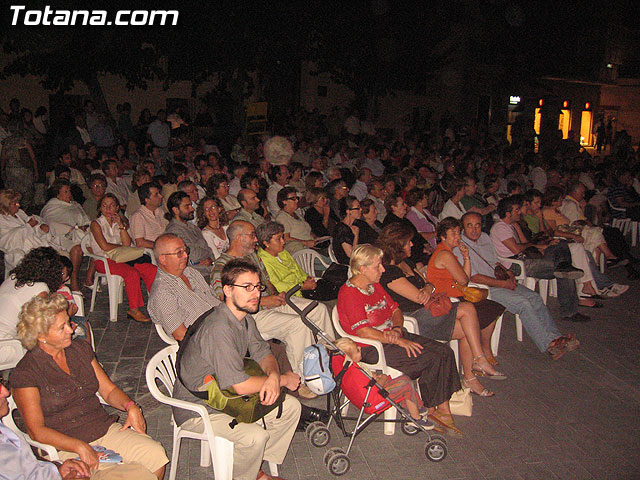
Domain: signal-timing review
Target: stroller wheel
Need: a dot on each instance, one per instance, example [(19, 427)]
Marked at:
[(310, 429), (408, 428), (329, 453), (338, 464), (319, 436), (435, 450)]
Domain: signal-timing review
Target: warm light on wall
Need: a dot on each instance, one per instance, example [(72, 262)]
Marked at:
[(564, 122), (536, 120), (540, 102), (585, 126)]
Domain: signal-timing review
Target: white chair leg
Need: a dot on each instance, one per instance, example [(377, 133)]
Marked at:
[(94, 291), (175, 455), (603, 263), (205, 454), (454, 344), (553, 288), (519, 328), (390, 427), (544, 289), (223, 459), (273, 467), (634, 233), (495, 337), (114, 286)]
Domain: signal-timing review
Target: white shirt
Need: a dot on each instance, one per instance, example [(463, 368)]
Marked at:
[(359, 190), (450, 209), (12, 300), (119, 188), (111, 234), (272, 198)]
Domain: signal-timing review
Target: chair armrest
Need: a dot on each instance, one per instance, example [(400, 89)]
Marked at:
[(411, 325), (382, 360), (520, 263)]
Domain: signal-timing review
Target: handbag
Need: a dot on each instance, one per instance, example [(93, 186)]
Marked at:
[(243, 408), (499, 272), (471, 294), (461, 402), (439, 304), (124, 254)]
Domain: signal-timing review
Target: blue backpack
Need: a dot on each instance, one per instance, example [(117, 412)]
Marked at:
[(316, 371)]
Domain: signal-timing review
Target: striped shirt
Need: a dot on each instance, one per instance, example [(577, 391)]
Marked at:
[(172, 303)]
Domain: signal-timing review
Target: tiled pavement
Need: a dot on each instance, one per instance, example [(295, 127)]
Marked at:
[(577, 418)]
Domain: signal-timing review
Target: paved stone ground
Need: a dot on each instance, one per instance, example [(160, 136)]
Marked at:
[(577, 418)]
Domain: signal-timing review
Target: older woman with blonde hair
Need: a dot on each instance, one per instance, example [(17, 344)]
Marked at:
[(278, 151), (55, 387), (366, 310)]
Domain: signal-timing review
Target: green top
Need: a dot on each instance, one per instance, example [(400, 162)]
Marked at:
[(533, 223), (473, 201), (283, 270)]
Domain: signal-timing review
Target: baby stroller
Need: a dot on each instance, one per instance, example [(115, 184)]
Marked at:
[(360, 389)]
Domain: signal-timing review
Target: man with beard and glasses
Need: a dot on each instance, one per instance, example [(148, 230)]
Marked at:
[(275, 319), (218, 348), (180, 213)]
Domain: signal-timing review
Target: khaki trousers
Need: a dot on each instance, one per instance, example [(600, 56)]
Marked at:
[(252, 443)]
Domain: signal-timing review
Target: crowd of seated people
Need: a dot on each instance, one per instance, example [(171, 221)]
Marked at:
[(438, 209)]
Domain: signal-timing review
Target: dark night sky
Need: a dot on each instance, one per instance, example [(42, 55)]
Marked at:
[(529, 38)]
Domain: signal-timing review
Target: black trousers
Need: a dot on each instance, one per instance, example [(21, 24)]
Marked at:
[(434, 368)]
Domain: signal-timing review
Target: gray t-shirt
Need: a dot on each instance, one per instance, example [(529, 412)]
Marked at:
[(218, 347)]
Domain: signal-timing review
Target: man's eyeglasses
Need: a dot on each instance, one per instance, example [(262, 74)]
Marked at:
[(355, 208), (179, 253), (4, 383), (249, 287), (295, 199)]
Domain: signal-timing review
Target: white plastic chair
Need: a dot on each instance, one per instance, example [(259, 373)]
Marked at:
[(306, 258), (332, 255), (162, 367), (114, 283), (12, 352), (49, 450), (166, 338)]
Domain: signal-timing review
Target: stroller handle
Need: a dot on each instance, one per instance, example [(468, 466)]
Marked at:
[(303, 313)]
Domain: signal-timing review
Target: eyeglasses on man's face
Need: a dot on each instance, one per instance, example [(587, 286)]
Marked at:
[(294, 199), (179, 253), (250, 287)]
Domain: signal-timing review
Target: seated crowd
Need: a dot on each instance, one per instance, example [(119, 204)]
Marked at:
[(404, 229)]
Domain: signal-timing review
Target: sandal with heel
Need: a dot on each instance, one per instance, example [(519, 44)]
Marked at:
[(485, 391), (478, 371)]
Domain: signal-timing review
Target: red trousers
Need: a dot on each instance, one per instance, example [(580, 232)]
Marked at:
[(132, 276)]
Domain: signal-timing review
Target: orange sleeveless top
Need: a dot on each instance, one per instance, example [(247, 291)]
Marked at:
[(440, 277)]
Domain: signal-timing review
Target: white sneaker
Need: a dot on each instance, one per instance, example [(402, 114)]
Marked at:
[(619, 289)]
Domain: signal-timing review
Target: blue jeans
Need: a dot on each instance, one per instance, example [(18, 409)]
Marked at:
[(534, 314)]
